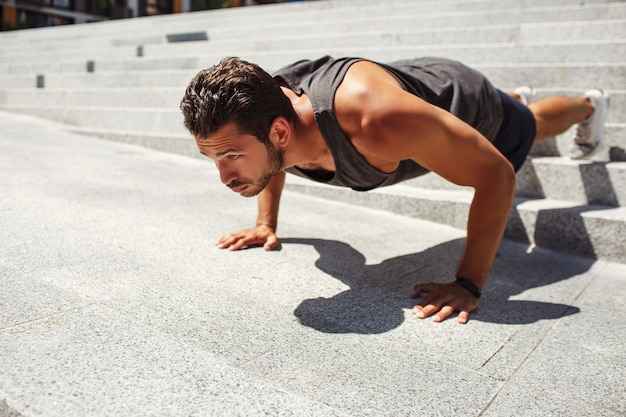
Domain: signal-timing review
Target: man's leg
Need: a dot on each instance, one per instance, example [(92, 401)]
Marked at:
[(556, 114)]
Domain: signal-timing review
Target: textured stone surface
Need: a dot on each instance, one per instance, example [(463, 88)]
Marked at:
[(116, 302)]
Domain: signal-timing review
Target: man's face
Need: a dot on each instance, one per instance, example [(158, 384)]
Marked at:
[(245, 164)]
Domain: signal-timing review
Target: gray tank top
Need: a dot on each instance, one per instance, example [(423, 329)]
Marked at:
[(447, 84)]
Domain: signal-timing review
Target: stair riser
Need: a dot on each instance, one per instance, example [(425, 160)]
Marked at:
[(135, 79), (610, 77), (574, 79), (146, 121), (565, 230), (586, 183), (575, 230), (146, 98)]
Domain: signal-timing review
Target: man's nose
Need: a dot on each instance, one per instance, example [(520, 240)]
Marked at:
[(227, 175)]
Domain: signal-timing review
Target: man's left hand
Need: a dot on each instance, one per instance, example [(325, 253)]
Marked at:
[(442, 300)]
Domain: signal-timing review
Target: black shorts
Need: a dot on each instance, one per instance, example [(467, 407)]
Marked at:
[(517, 131)]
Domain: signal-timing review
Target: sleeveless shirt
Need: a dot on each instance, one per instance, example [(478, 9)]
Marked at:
[(447, 84)]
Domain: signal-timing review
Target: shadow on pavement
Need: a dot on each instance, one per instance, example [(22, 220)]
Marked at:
[(379, 294)]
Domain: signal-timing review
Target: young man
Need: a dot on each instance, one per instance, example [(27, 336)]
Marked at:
[(360, 124)]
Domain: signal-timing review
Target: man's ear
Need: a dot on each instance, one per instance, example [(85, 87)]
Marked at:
[(280, 132)]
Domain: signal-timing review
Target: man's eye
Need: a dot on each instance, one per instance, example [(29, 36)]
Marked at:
[(233, 157)]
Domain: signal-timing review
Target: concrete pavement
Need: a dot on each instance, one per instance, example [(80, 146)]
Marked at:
[(115, 302)]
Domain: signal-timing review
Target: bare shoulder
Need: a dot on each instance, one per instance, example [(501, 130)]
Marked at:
[(387, 124), (371, 107), (362, 98), (361, 84), (370, 73)]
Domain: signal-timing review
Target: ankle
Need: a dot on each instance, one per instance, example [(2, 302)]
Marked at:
[(588, 109)]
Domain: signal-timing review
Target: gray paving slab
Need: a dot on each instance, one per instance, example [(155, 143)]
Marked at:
[(43, 299), (90, 362), (360, 375), (525, 402), (581, 347), (116, 302)]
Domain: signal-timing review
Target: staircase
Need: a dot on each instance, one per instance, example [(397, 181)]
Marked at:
[(123, 80)]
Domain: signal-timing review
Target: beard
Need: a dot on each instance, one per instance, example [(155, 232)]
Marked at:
[(275, 161)]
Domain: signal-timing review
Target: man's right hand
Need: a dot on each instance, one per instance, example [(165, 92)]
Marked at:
[(259, 235)]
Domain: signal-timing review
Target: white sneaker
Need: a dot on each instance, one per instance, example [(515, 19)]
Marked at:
[(526, 94), (590, 133)]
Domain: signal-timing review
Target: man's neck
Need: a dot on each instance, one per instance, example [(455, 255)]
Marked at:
[(308, 148)]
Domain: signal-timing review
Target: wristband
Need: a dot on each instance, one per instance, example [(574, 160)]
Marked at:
[(469, 286)]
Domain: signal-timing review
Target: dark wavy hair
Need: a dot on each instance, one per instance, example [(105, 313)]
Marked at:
[(234, 91)]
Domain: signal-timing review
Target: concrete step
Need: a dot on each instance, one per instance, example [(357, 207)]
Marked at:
[(565, 76), (50, 51), (375, 20), (151, 97), (139, 120), (168, 97), (472, 54), (99, 80), (223, 41), (177, 143), (585, 182), (602, 30), (510, 13), (601, 52), (586, 230), (557, 178)]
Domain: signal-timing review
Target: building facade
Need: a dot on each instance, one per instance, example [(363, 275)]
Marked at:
[(23, 14)]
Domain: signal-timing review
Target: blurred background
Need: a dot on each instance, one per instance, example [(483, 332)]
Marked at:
[(26, 14)]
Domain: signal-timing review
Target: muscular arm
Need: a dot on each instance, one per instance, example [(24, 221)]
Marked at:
[(389, 125), (269, 201), (264, 233)]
